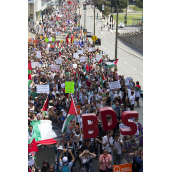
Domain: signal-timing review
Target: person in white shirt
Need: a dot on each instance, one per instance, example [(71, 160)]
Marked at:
[(100, 88), (117, 149), (62, 84), (129, 92), (117, 94), (107, 141), (132, 99)]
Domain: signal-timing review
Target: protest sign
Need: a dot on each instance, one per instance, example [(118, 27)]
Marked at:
[(58, 61), (42, 89), (35, 64), (104, 52), (114, 85), (74, 65), (50, 39), (83, 59), (122, 168), (75, 55), (98, 57), (91, 49), (49, 29), (55, 67), (38, 54), (80, 51), (127, 80), (69, 87)]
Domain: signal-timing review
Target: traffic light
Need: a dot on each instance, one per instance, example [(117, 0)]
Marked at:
[(125, 21)]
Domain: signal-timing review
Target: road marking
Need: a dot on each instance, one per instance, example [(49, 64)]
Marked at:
[(141, 73), (112, 54), (125, 62), (134, 68)]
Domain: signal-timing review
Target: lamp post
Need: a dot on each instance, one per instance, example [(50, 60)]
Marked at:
[(116, 41), (94, 23), (79, 18)]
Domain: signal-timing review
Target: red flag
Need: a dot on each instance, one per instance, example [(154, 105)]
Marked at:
[(100, 61), (29, 66), (87, 68), (57, 43), (33, 146), (29, 76), (116, 62)]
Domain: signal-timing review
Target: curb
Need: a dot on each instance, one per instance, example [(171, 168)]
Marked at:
[(121, 47)]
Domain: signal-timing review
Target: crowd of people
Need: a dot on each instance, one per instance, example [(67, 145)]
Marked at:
[(91, 93)]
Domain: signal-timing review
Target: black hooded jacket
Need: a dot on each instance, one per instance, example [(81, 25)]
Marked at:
[(45, 169)]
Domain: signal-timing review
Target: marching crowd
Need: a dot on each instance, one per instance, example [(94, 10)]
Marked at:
[(91, 92)]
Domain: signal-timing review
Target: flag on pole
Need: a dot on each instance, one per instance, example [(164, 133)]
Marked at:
[(87, 68), (29, 70), (71, 114), (32, 147), (116, 61), (102, 79), (84, 69), (110, 64), (45, 107), (138, 89)]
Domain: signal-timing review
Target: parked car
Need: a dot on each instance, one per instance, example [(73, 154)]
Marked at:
[(121, 25), (98, 41), (89, 34)]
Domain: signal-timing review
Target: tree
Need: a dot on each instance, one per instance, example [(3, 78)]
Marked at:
[(139, 3)]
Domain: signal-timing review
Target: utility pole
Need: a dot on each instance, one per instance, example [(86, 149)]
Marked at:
[(84, 20), (94, 23), (116, 41), (79, 18)]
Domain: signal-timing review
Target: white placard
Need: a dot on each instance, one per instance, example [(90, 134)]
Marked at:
[(35, 64), (58, 61), (50, 39), (98, 57), (42, 89), (80, 51), (114, 85), (38, 54), (49, 29), (55, 67), (75, 55), (91, 49), (83, 59), (127, 80), (74, 65), (104, 52)]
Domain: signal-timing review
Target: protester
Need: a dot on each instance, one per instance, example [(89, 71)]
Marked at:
[(45, 167)]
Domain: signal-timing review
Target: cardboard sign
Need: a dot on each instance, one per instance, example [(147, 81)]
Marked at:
[(75, 55), (55, 67), (98, 57), (35, 64), (114, 85), (80, 51), (83, 59), (69, 87), (75, 66), (91, 49), (42, 89), (58, 61), (38, 54), (122, 168)]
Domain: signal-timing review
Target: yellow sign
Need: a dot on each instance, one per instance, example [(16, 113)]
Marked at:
[(61, 40), (94, 38)]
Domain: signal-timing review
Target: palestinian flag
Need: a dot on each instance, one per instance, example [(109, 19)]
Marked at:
[(45, 107), (104, 93), (71, 114), (87, 68), (130, 83), (45, 132), (84, 69), (102, 79), (29, 82), (116, 61), (110, 64), (138, 89), (100, 61), (29, 70)]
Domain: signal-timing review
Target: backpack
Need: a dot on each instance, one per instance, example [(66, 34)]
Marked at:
[(65, 169)]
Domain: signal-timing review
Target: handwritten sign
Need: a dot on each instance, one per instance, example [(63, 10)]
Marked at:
[(83, 59), (75, 55), (80, 51), (38, 54), (98, 57), (74, 65), (69, 87), (55, 67), (35, 64), (58, 61), (42, 89), (114, 85), (91, 49)]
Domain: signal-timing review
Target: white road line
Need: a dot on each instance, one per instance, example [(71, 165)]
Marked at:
[(125, 62), (141, 73), (134, 68), (112, 54)]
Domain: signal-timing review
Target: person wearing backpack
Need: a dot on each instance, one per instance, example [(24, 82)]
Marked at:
[(66, 166)]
